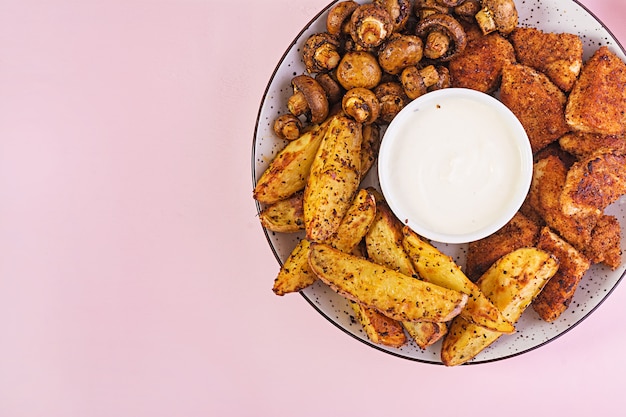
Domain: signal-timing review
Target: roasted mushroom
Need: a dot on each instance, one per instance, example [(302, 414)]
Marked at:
[(321, 52), (444, 36), (309, 98), (417, 82), (339, 15), (424, 8), (399, 52), (497, 15), (359, 69), (392, 99), (450, 3), (399, 10), (288, 126), (468, 9), (370, 25), (331, 86), (361, 104)]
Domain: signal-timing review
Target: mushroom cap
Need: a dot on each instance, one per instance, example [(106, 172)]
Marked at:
[(504, 13), (315, 96), (447, 24), (338, 15)]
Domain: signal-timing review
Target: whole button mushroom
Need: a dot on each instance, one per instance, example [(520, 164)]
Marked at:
[(424, 8), (370, 25), (362, 105), (497, 15), (309, 98), (339, 15), (321, 52), (331, 86), (359, 69), (399, 10), (444, 36), (399, 52), (417, 82), (287, 126), (392, 99)]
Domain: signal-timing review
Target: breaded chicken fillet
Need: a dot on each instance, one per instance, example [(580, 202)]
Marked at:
[(558, 55), (536, 101), (597, 102)]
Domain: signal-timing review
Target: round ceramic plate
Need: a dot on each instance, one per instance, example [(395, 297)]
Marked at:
[(547, 15)]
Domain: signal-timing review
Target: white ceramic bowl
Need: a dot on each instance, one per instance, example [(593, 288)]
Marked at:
[(455, 165)]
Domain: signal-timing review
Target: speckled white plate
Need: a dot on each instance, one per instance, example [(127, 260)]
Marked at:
[(532, 332)]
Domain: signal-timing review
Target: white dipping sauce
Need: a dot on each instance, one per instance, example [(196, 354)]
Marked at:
[(455, 165)]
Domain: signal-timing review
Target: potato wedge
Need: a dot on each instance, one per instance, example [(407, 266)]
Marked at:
[(438, 268), (394, 294), (369, 147), (285, 216), (384, 247), (378, 327), (356, 222), (296, 274), (511, 284), (289, 170), (333, 180)]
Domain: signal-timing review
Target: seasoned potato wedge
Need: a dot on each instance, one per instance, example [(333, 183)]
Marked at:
[(296, 274), (369, 147), (289, 170), (356, 222), (384, 247), (378, 327), (511, 284), (333, 180), (285, 216), (438, 268), (394, 294)]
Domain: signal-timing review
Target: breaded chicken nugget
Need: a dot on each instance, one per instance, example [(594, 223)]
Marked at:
[(597, 102), (536, 101), (558, 55)]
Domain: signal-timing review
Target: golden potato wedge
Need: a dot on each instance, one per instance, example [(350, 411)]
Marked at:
[(438, 268), (394, 294), (296, 274), (511, 284), (369, 147), (285, 216), (384, 247), (333, 180), (383, 241), (289, 170), (356, 222), (378, 327), (425, 333)]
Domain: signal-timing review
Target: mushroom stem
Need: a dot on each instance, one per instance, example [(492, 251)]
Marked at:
[(485, 20), (297, 104), (437, 44)]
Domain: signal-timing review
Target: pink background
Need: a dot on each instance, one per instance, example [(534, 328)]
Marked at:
[(135, 279)]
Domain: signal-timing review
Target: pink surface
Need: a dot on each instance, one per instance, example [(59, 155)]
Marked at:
[(135, 279)]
